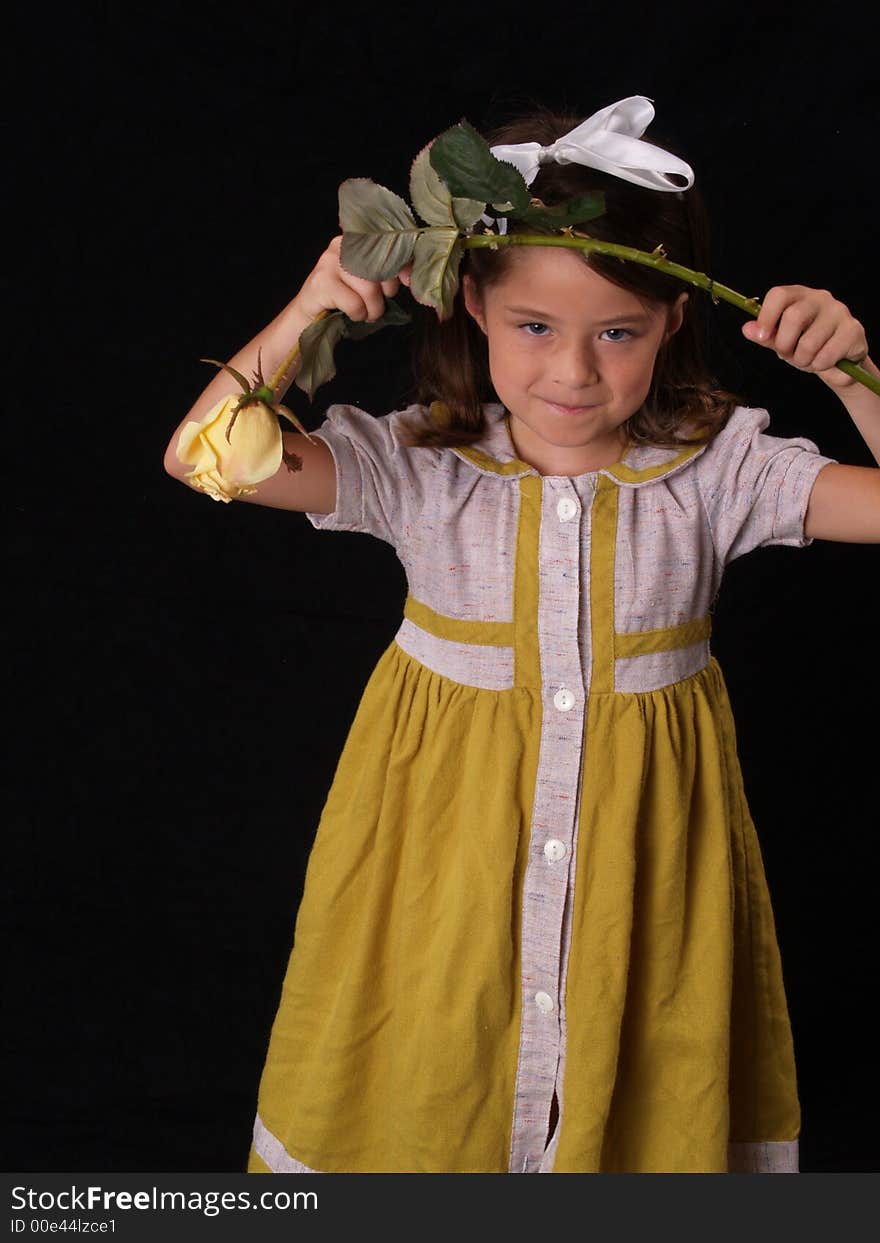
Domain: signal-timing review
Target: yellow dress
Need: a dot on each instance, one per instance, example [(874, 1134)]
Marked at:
[(536, 891)]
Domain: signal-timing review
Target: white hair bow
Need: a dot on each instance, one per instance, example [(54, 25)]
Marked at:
[(609, 140)]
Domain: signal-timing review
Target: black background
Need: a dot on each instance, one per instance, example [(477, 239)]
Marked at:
[(184, 673)]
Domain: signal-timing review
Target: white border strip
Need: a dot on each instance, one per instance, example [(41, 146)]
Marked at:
[(275, 1154), (769, 1157)]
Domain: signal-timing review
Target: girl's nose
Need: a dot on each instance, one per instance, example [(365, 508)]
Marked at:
[(575, 367)]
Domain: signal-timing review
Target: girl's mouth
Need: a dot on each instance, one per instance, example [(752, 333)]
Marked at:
[(555, 405)]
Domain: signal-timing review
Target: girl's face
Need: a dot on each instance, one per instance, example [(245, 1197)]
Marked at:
[(571, 357)]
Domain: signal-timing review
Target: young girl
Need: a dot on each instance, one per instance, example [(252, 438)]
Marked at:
[(535, 934)]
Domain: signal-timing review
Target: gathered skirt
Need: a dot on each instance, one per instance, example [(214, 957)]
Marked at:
[(396, 1042)]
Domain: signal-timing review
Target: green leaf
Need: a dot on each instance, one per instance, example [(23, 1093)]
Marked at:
[(319, 340), (378, 230), (432, 200), (316, 346), (467, 212), (394, 314), (462, 158), (575, 211), (434, 277)]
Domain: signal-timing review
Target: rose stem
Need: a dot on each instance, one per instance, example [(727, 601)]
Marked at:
[(656, 260)]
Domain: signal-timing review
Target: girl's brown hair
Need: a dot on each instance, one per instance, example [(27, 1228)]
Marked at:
[(451, 356)]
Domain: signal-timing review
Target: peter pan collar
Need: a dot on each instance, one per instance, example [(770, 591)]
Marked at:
[(494, 454)]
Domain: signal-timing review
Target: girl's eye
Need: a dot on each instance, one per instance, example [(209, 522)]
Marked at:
[(537, 329)]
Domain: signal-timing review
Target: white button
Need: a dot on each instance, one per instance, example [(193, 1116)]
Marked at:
[(564, 700), (554, 849), (544, 1002), (566, 508)]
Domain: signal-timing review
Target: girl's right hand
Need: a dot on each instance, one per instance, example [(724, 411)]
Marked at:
[(328, 287)]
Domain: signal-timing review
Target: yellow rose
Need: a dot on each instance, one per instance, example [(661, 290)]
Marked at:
[(225, 468)]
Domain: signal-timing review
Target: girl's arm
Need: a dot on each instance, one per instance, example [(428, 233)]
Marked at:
[(327, 287), (811, 330)]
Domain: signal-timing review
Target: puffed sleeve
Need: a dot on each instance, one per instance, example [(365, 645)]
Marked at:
[(755, 487), (380, 481)]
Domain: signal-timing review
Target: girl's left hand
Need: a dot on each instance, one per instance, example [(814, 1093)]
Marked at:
[(811, 330)]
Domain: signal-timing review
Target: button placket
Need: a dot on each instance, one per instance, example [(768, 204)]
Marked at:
[(552, 822)]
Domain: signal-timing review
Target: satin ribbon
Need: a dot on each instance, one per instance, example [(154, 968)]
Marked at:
[(609, 140)]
